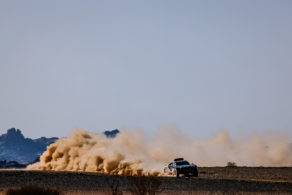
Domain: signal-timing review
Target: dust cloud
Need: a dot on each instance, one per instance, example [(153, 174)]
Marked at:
[(132, 153)]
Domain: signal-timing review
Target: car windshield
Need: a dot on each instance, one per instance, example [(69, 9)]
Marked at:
[(182, 163)]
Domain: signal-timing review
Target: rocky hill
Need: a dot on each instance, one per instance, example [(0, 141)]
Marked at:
[(18, 149), (112, 133), (15, 147)]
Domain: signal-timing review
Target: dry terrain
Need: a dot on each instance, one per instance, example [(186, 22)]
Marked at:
[(211, 180)]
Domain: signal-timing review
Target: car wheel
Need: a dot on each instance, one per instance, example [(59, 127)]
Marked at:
[(174, 172), (195, 173)]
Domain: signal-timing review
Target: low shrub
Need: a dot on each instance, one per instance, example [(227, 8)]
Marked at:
[(144, 185), (231, 164)]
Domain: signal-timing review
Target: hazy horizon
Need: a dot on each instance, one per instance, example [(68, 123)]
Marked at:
[(98, 65)]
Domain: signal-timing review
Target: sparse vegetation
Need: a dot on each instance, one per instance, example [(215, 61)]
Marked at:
[(231, 164), (114, 184), (211, 180), (144, 185), (32, 190)]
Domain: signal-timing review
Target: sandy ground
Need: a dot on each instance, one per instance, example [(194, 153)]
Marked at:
[(211, 180)]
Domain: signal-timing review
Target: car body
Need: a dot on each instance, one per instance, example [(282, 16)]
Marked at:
[(180, 166)]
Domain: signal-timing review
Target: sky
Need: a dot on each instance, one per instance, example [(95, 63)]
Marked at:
[(100, 65)]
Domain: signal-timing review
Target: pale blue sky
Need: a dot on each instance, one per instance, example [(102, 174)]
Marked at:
[(202, 65)]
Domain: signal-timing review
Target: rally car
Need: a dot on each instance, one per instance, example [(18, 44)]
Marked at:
[(180, 166)]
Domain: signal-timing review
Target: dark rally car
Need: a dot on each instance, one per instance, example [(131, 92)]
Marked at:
[(180, 166)]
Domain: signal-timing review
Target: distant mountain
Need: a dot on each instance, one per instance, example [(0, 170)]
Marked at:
[(112, 133), (15, 147), (11, 164)]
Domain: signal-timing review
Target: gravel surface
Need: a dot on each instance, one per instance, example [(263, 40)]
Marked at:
[(211, 179)]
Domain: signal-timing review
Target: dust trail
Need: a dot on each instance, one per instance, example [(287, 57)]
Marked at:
[(131, 153), (84, 151)]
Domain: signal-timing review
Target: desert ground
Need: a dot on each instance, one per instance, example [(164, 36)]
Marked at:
[(211, 180)]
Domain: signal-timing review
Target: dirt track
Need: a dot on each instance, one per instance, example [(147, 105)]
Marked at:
[(220, 180)]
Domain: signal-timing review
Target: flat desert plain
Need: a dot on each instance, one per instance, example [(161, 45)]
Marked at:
[(211, 180)]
